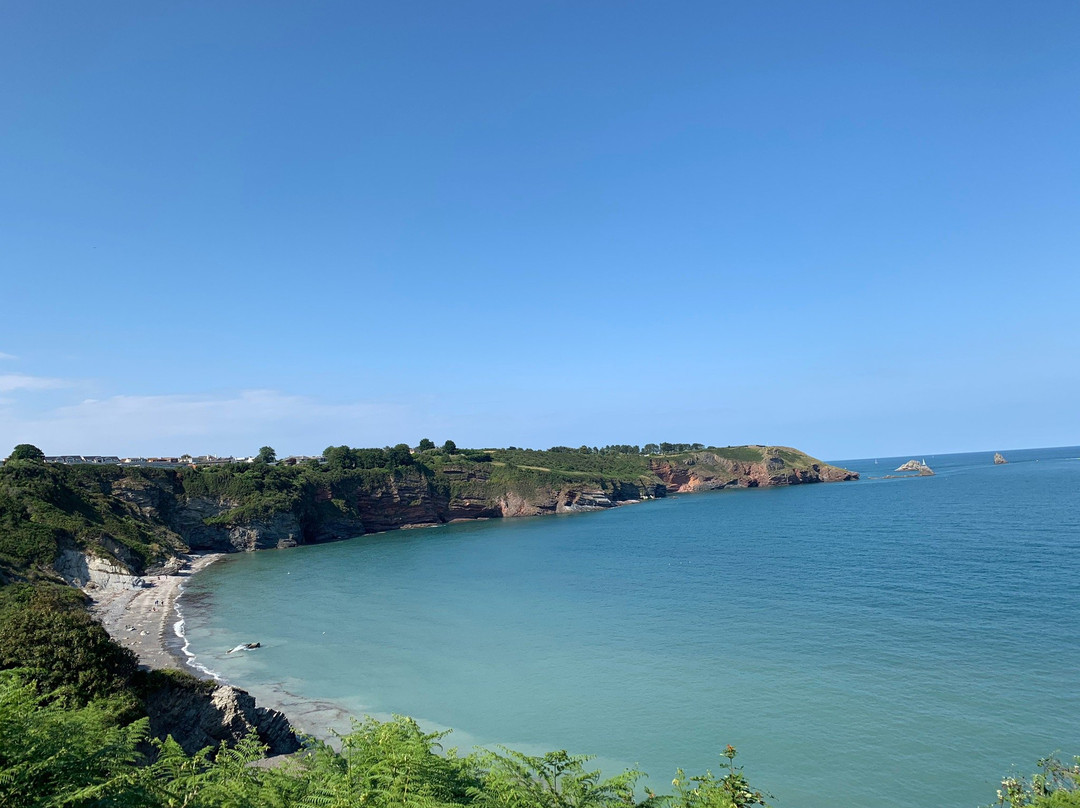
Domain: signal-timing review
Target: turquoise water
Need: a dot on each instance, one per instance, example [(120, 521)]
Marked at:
[(877, 643)]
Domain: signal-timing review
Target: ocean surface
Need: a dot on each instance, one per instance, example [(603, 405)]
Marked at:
[(886, 642)]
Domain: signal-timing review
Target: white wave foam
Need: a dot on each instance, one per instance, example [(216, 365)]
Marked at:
[(178, 629)]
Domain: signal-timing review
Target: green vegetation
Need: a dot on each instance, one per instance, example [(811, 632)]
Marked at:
[(51, 755), (27, 451), (564, 459), (755, 454), (1055, 785), (46, 631)]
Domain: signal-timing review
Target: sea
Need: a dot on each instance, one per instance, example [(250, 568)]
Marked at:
[(885, 642)]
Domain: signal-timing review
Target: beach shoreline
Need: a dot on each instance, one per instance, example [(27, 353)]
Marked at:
[(143, 618)]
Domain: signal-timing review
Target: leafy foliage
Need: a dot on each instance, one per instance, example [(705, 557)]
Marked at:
[(50, 755), (386, 764), (27, 451), (399, 455), (46, 632), (555, 780), (1056, 785), (706, 791), (80, 756)]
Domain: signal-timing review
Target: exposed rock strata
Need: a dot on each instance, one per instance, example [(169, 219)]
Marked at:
[(87, 571), (199, 715), (706, 471)]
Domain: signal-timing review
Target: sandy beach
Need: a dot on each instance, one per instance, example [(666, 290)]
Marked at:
[(142, 619)]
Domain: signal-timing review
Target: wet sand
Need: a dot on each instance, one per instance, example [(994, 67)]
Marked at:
[(142, 618)]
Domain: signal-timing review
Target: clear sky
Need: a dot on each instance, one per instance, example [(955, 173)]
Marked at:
[(853, 228)]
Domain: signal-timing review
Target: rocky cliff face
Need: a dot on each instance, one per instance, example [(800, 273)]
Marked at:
[(707, 471), (82, 569), (200, 714), (406, 501), (164, 501), (413, 498)]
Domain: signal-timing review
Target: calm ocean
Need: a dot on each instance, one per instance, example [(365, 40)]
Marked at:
[(876, 643)]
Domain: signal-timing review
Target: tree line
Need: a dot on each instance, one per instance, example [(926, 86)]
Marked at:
[(632, 449)]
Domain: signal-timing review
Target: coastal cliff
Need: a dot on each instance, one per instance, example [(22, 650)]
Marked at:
[(709, 471), (86, 524), (354, 506)]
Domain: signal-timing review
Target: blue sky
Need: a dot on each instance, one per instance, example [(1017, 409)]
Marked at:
[(849, 227)]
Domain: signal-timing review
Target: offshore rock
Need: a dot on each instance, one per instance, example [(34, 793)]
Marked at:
[(999, 459), (915, 465)]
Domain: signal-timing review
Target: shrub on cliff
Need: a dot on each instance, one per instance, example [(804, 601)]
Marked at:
[(46, 631), (477, 457)]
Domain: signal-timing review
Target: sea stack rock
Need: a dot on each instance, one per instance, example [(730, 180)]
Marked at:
[(915, 465), (999, 459)]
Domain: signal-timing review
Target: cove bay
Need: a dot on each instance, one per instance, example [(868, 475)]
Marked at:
[(861, 643)]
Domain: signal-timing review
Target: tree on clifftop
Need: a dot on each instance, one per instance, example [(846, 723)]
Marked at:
[(449, 447), (27, 451), (425, 444), (266, 455), (399, 455)]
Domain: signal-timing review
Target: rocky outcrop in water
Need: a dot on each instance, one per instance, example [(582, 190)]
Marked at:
[(916, 465), (999, 459)]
